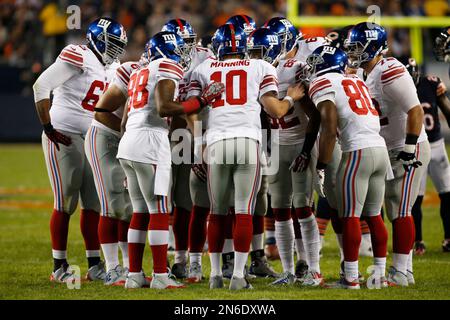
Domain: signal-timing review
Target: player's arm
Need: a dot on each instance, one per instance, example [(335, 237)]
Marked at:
[(277, 108), (54, 76), (327, 140), (110, 101), (443, 102)]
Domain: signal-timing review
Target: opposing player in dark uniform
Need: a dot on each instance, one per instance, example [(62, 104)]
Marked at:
[(432, 95)]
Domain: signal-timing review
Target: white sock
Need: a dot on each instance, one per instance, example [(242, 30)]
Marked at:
[(409, 266), (380, 264), (240, 259), (258, 242), (400, 261), (181, 256), (270, 234), (195, 257), (351, 270), (311, 242), (341, 245), (158, 237), (111, 254), (124, 249), (284, 235), (216, 270), (228, 246), (301, 253)]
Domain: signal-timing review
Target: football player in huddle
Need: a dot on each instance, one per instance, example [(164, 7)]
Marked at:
[(233, 138), (78, 78), (401, 117), (432, 95), (292, 185), (345, 107), (151, 93)]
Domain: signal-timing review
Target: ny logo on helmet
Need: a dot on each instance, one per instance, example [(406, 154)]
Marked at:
[(170, 38), (329, 50), (104, 23), (273, 39), (371, 34), (286, 23)]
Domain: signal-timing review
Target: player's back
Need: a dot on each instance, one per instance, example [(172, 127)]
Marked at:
[(74, 101), (393, 93), (142, 110), (236, 114), (358, 121)]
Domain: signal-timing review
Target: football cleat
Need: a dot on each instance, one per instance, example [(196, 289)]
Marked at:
[(216, 282), (165, 281), (419, 248), (446, 246), (285, 279), (96, 273), (116, 276), (374, 281), (342, 273), (259, 266), (63, 275), (301, 268), (136, 281), (179, 270), (397, 278), (312, 279), (239, 283), (410, 277), (195, 273), (343, 283)]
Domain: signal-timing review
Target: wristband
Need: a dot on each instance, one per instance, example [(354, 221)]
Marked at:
[(290, 100), (191, 105), (409, 148), (411, 139), (321, 165), (48, 127)]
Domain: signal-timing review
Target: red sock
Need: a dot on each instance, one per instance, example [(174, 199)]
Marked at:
[(59, 230), (89, 229), (402, 235), (379, 236), (137, 235), (197, 228), (243, 232), (216, 233), (122, 230), (107, 230), (158, 241), (282, 214), (303, 213), (351, 238), (297, 230), (258, 224), (336, 222), (180, 227)]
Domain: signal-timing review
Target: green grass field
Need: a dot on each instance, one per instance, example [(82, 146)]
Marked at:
[(25, 260)]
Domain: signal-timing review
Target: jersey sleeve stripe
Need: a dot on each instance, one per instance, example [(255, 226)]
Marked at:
[(391, 79), (268, 84), (123, 75), (71, 55), (171, 72), (268, 80), (313, 91), (392, 72), (172, 67), (76, 64), (71, 50), (318, 85)]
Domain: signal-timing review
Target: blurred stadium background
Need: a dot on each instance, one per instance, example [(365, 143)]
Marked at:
[(32, 32)]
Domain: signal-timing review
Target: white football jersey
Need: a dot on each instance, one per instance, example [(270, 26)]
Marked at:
[(393, 92), (74, 101), (143, 117), (120, 80), (358, 121), (198, 55), (292, 126), (237, 112), (307, 46)]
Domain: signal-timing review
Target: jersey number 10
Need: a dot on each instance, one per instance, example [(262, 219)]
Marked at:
[(230, 98)]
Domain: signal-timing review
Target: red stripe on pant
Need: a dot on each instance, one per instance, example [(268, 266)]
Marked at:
[(89, 220), (59, 229), (197, 228), (159, 221), (139, 221)]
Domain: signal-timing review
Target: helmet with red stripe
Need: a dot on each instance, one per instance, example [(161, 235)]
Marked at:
[(165, 45), (244, 22), (229, 40)]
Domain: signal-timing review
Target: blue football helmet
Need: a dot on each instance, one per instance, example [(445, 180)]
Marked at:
[(184, 30), (229, 39), (165, 44), (107, 38), (266, 42), (286, 31), (326, 59), (244, 22), (365, 41)]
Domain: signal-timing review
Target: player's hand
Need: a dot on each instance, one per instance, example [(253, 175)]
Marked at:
[(213, 91), (300, 163), (200, 171), (56, 137), (408, 158), (319, 182), (296, 92)]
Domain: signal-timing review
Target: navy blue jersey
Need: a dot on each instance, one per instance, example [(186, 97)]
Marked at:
[(426, 90)]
